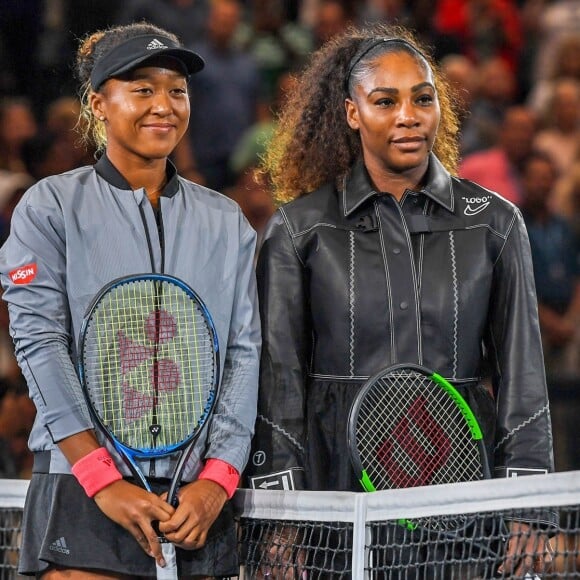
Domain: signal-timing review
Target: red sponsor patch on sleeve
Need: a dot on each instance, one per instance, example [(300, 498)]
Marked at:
[(24, 274)]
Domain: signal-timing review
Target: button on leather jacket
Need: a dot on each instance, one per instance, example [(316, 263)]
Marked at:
[(352, 281)]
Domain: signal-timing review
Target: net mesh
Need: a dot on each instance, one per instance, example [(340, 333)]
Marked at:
[(326, 535), (12, 494), (454, 531)]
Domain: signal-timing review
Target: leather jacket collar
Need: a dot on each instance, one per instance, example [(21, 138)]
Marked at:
[(357, 188)]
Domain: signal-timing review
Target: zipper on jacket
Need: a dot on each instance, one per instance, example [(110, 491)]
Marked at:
[(161, 236)]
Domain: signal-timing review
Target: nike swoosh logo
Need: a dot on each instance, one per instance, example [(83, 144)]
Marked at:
[(471, 211)]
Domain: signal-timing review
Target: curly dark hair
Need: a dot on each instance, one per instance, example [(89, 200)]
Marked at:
[(313, 143), (90, 50)]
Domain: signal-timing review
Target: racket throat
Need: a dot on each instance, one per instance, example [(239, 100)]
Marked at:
[(154, 429), (152, 468)]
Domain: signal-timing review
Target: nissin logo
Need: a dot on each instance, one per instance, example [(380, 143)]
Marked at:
[(24, 274)]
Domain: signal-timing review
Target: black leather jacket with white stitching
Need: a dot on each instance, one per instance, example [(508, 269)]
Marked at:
[(351, 281)]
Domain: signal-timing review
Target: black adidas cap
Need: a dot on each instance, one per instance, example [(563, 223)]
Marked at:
[(133, 52)]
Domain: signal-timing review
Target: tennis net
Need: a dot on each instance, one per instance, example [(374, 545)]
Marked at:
[(12, 494), (457, 531)]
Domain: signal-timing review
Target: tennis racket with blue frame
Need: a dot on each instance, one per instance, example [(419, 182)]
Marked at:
[(149, 367)]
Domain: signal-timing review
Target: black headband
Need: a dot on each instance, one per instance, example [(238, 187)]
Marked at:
[(366, 46), (131, 53)]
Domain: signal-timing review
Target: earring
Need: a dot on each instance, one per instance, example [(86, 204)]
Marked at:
[(102, 118)]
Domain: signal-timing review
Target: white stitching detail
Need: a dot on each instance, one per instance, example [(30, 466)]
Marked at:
[(452, 194), (285, 218), (488, 227), (313, 227), (507, 235), (543, 410), (351, 299), (322, 376), (388, 282), (426, 207), (415, 283), (455, 301), (283, 432), (459, 381)]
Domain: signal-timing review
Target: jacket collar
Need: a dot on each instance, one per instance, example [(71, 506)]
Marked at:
[(357, 187), (110, 173)]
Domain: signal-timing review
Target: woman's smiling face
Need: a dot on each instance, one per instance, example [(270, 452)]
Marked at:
[(396, 111), (146, 111)]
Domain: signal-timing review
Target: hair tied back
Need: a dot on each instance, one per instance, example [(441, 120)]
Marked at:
[(367, 46)]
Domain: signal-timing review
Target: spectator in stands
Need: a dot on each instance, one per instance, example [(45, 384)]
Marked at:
[(566, 65), (253, 194), (252, 190), (530, 14), (332, 18), (12, 187), (185, 18), (559, 20), (385, 11), (499, 168), (17, 123), (567, 195), (225, 96), (17, 413), (559, 134), (383, 256), (556, 258), (485, 28), (276, 44), (63, 118), (48, 154), (494, 93), (462, 76)]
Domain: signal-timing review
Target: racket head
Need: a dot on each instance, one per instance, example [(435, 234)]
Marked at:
[(410, 427), (149, 364)]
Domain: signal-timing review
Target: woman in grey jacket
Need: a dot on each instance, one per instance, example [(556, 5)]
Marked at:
[(73, 233), (381, 257)]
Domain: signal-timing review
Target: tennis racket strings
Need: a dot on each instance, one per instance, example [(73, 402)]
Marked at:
[(149, 364), (411, 433)]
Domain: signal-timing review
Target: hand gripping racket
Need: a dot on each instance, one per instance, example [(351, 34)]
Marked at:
[(410, 427), (149, 368)]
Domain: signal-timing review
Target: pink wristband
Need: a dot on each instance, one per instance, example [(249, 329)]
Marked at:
[(95, 471), (222, 473)]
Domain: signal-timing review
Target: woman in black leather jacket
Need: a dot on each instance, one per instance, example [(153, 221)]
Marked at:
[(384, 256)]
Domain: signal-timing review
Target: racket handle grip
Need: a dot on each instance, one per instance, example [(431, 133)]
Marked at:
[(170, 570)]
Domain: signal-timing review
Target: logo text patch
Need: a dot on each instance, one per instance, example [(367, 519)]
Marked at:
[(24, 274)]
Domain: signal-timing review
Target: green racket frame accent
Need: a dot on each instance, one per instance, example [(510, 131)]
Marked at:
[(366, 482), (462, 404)]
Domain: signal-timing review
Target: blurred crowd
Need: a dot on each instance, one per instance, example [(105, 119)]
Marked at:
[(515, 65)]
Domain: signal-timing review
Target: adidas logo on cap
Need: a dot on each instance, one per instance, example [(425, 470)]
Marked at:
[(155, 44)]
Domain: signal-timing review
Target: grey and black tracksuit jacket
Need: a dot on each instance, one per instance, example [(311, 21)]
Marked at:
[(72, 234)]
